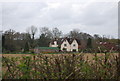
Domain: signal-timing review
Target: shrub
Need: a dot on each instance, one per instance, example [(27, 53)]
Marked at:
[(72, 66)]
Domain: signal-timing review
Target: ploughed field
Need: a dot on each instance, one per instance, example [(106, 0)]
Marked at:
[(87, 56)]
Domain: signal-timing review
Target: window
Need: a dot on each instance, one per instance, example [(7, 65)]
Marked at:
[(64, 49), (74, 50), (65, 44), (74, 45)]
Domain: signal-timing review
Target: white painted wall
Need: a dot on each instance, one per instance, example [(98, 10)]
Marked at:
[(74, 47), (67, 47), (53, 45)]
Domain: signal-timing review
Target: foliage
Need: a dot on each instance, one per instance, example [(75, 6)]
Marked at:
[(14, 42), (72, 66), (26, 49), (89, 43), (43, 41)]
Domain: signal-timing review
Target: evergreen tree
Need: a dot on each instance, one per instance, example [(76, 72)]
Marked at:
[(43, 41), (26, 49), (89, 43)]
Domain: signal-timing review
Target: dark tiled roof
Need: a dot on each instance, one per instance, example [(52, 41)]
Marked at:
[(70, 40), (61, 40), (78, 41)]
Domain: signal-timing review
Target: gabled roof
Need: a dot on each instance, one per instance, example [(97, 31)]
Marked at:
[(78, 41), (61, 40), (70, 40)]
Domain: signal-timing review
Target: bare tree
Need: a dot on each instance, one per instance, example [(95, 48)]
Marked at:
[(46, 31), (74, 33), (56, 33), (32, 30)]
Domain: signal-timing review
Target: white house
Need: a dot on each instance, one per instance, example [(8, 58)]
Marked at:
[(66, 44)]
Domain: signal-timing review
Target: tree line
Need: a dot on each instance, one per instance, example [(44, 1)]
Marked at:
[(14, 42)]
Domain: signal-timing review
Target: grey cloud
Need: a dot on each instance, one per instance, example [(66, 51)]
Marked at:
[(91, 17), (98, 14), (17, 15)]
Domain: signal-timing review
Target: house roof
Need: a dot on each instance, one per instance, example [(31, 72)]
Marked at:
[(61, 40), (70, 40), (53, 48), (78, 41)]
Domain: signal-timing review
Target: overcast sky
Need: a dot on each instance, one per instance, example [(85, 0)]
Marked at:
[(89, 16)]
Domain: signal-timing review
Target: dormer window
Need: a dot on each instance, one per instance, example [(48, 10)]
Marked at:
[(74, 45), (65, 44)]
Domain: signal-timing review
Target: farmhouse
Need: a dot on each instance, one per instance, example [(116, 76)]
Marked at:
[(66, 44)]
